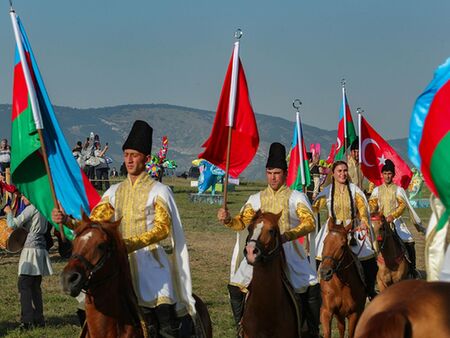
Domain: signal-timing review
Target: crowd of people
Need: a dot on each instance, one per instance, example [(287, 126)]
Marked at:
[(91, 157)]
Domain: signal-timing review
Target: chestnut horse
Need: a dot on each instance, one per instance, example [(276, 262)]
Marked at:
[(392, 264), (269, 309), (343, 292), (410, 308), (99, 267)]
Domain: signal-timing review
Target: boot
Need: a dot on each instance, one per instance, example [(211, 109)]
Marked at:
[(412, 260), (81, 316), (237, 301), (169, 326), (309, 303), (370, 268)]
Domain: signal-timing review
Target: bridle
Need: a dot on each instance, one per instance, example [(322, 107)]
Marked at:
[(93, 268), (265, 255), (337, 263)]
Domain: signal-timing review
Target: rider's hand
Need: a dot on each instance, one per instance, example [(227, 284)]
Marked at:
[(59, 216), (223, 216), (389, 219), (7, 209)]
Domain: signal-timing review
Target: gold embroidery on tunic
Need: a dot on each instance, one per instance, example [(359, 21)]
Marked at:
[(276, 202)]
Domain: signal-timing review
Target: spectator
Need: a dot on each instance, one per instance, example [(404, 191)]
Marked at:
[(34, 263), (102, 168), (114, 173), (5, 155), (88, 154)]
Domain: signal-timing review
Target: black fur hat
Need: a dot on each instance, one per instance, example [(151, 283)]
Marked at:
[(140, 138), (388, 166), (277, 156)]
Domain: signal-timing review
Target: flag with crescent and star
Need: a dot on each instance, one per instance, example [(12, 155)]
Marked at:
[(374, 152)]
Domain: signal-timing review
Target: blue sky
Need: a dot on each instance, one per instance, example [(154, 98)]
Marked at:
[(103, 53)]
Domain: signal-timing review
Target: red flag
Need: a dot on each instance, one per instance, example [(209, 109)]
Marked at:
[(332, 154), (244, 139), (374, 152)]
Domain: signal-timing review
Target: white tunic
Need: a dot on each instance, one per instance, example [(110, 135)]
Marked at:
[(400, 225), (158, 277), (299, 271)]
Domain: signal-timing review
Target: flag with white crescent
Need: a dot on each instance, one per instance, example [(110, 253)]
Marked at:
[(374, 153)]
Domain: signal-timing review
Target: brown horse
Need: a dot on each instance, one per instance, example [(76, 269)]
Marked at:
[(392, 264), (411, 308), (269, 309), (343, 292), (99, 267)]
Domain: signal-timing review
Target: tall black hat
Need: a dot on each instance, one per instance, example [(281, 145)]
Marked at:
[(277, 156), (355, 144), (388, 166), (140, 138)]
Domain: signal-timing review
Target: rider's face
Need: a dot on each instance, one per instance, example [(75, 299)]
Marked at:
[(134, 161), (340, 173), (275, 177), (388, 176)]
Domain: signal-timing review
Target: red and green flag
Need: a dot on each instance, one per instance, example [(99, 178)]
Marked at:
[(298, 170), (429, 137), (32, 110), (346, 129)]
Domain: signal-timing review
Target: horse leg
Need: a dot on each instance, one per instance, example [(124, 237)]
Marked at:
[(325, 319), (341, 325), (203, 318), (352, 321)]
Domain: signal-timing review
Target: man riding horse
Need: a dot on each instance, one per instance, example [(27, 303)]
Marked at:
[(391, 200), (153, 234), (296, 220)]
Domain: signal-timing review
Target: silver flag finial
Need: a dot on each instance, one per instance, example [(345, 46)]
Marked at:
[(238, 34), (296, 104), (343, 82)]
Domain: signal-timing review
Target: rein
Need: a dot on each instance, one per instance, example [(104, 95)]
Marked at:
[(93, 268), (338, 262)]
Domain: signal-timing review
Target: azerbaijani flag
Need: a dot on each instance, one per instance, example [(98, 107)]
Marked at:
[(32, 110), (346, 129), (298, 171), (429, 136)]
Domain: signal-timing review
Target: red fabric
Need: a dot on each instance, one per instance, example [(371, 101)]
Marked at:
[(244, 138), (374, 149), (8, 187), (332, 154)]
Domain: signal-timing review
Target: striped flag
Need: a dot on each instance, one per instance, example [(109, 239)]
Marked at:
[(346, 129), (429, 136), (32, 110), (298, 171)]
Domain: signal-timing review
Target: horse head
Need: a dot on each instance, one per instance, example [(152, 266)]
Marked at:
[(335, 246), (381, 228), (264, 238), (91, 262)]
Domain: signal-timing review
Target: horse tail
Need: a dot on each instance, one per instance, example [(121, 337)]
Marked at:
[(387, 324), (204, 320)]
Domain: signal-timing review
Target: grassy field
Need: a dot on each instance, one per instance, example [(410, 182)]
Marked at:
[(210, 246)]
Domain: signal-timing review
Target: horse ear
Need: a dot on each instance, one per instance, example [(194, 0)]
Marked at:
[(278, 216), (331, 222), (348, 227), (84, 217)]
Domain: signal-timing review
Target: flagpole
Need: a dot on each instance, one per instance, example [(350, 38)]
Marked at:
[(231, 110), (344, 111), (359, 111), (34, 106)]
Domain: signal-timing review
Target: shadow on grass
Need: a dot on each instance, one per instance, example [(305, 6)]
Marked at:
[(50, 321)]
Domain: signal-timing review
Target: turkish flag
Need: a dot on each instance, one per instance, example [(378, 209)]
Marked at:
[(244, 135), (374, 152)]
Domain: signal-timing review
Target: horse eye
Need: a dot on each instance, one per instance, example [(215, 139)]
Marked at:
[(272, 232), (102, 246)]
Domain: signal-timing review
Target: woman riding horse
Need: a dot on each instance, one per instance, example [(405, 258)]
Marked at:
[(347, 204)]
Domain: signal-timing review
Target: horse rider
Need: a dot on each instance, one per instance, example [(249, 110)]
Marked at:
[(153, 234), (347, 203), (391, 200), (296, 220)]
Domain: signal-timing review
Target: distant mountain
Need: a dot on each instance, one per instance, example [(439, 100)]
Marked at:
[(186, 129)]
